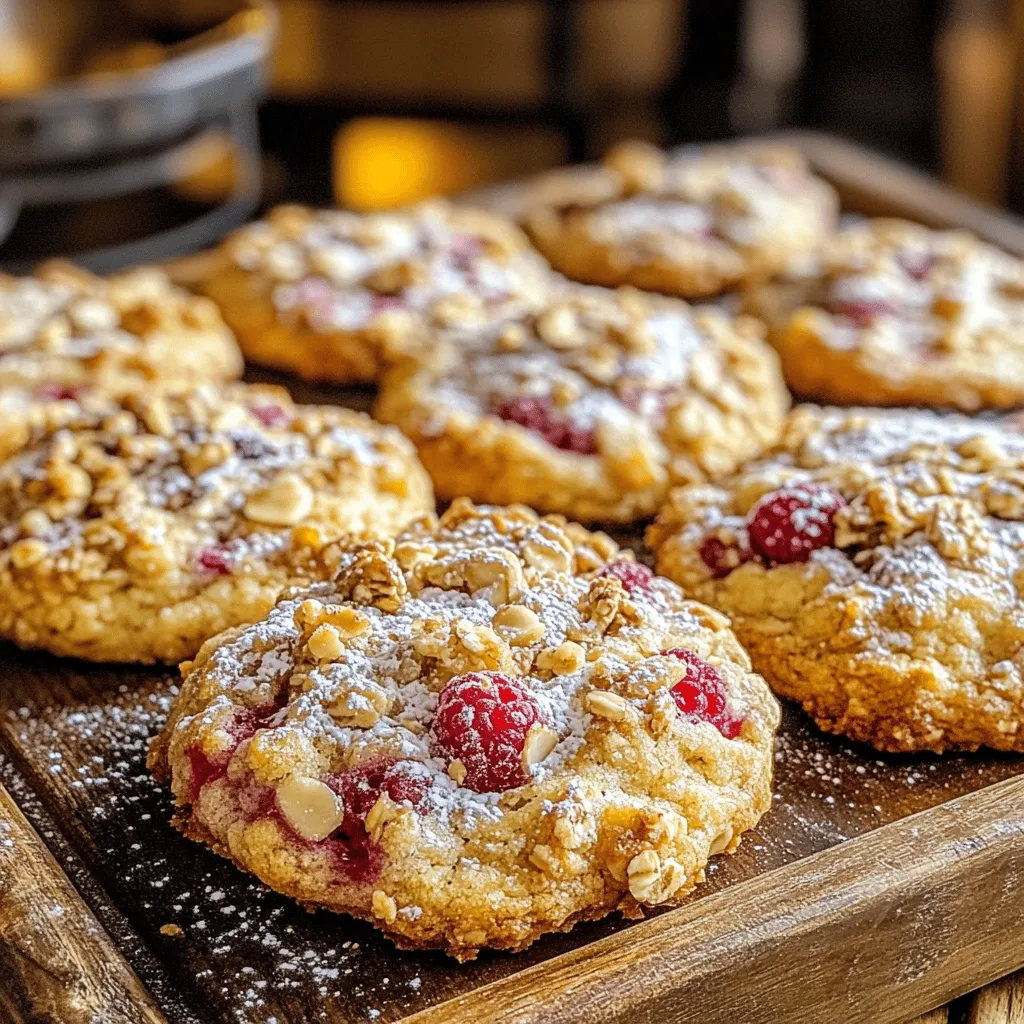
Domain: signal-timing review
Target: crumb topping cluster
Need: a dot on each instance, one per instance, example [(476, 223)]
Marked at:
[(181, 487), (894, 288), (340, 271), (64, 330), (662, 206), (639, 380), (892, 484)]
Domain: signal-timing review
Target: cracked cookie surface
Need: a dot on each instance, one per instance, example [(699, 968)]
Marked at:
[(133, 531), (899, 314), (592, 407), (872, 565), (65, 332), (475, 733), (337, 296), (691, 225)]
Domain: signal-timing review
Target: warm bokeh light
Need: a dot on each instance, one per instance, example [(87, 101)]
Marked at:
[(385, 162)]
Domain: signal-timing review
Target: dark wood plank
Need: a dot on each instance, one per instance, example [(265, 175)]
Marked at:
[(1001, 1003), (874, 930), (56, 961)]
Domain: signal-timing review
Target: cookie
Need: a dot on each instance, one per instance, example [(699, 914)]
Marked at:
[(473, 734), (64, 332), (899, 314), (873, 566), (592, 407), (133, 531), (692, 225), (336, 296)]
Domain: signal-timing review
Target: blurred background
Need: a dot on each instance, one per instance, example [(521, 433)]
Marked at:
[(133, 129)]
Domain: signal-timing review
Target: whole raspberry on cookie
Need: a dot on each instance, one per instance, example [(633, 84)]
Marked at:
[(134, 530), (473, 734), (788, 524), (592, 407), (481, 724), (339, 296), (872, 565), (701, 694)]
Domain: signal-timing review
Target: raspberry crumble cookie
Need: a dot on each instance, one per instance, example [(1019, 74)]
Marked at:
[(475, 733), (64, 331), (335, 296), (134, 531), (873, 565), (592, 407), (692, 225), (898, 314)]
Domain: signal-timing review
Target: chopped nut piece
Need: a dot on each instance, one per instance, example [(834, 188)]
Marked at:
[(563, 660), (644, 872), (541, 856), (540, 741), (721, 842), (287, 501), (546, 557), (673, 877), (325, 643), (384, 906), (605, 704), (518, 625), (312, 808), (27, 552), (383, 811)]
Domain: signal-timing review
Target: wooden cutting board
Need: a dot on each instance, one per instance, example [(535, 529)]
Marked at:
[(876, 888)]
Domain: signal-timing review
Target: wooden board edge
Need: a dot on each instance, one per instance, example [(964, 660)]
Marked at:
[(862, 177), (876, 930), (1001, 1003), (56, 960)]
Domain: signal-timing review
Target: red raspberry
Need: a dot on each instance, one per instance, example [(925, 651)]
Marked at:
[(482, 720), (537, 414), (788, 524), (204, 769), (465, 251), (700, 694), (864, 312), (383, 303), (915, 264), (402, 779), (58, 393), (243, 724), (216, 560), (721, 558), (632, 575), (355, 853), (271, 415)]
